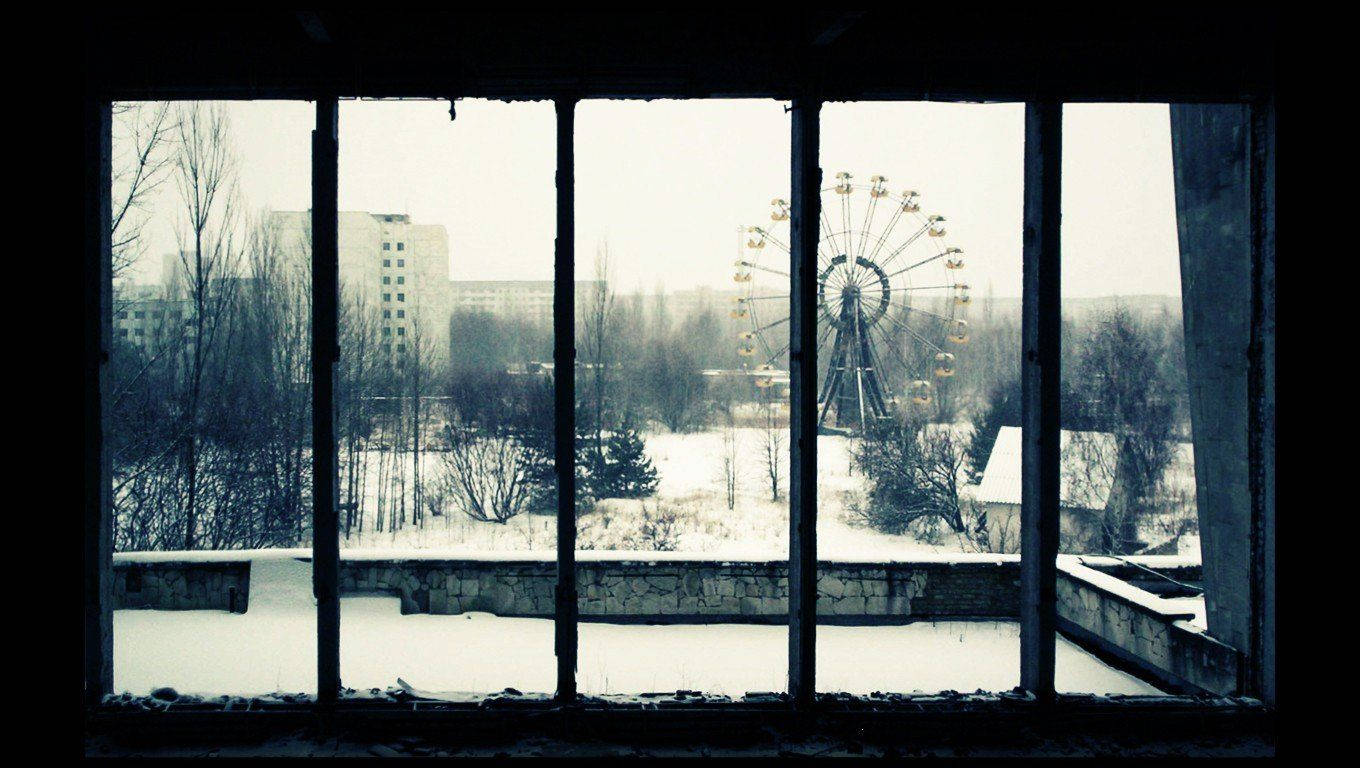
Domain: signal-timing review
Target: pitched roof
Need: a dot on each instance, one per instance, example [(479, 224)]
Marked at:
[(1086, 472)]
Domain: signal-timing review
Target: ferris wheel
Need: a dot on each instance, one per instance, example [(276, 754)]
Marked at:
[(891, 301)]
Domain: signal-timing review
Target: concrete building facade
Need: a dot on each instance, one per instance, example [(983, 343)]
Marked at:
[(147, 317), (530, 300), (393, 265)]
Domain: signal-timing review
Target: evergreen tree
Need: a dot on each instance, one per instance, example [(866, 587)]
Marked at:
[(1002, 410), (628, 473)]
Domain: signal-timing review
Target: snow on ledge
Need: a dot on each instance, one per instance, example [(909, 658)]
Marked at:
[(1071, 566), (542, 556), (1155, 562)]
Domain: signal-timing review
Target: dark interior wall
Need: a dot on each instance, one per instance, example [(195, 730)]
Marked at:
[(1138, 53)]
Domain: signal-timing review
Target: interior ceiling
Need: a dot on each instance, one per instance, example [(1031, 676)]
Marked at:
[(1135, 53)]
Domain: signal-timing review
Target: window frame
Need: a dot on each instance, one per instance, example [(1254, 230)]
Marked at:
[(1040, 353)]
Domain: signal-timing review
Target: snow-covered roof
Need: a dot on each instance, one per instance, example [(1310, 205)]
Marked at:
[(1087, 469), (1086, 473)]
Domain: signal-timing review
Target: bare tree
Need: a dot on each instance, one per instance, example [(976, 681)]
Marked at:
[(773, 444), (597, 342), (659, 528), (913, 471), (1121, 387), (487, 470), (729, 458), (205, 176), (416, 364), (144, 132)]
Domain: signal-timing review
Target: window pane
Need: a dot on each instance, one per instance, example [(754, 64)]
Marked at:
[(919, 494), (682, 396), (445, 405), (1129, 526), (210, 427)]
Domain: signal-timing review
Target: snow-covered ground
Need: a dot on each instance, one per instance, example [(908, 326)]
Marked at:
[(273, 648), (689, 469)]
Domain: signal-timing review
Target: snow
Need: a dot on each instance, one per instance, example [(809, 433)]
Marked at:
[(272, 648), (690, 483), (1071, 566), (1195, 607)]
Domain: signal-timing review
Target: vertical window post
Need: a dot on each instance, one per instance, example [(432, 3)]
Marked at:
[(1261, 400), (1040, 397), (98, 294), (564, 394), (325, 355), (805, 213)]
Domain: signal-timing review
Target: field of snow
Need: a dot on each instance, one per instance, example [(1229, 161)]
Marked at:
[(273, 648), (690, 474)]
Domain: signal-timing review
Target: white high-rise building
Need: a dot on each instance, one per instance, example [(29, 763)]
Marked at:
[(399, 268)]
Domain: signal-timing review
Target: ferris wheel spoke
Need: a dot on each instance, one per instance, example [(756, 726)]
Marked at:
[(910, 330), (774, 324), (845, 227), (830, 233), (887, 232), (910, 308), (920, 263), (886, 341), (763, 268), (770, 360), (891, 345), (823, 335), (867, 226), (921, 287), (899, 249)]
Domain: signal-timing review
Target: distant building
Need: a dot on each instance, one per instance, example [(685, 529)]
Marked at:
[(1087, 471), (530, 300), (392, 264), (145, 316)]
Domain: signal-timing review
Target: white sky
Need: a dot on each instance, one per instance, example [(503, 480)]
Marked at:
[(667, 183)]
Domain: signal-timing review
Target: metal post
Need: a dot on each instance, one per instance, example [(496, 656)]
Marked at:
[(325, 356), (1041, 334), (805, 216), (98, 295), (564, 395)]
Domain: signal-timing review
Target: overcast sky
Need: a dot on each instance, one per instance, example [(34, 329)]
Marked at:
[(667, 183)]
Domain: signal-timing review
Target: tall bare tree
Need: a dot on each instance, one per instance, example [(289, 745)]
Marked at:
[(144, 133), (204, 173), (774, 447), (596, 340)]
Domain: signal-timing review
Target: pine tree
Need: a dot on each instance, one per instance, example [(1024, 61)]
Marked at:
[(1002, 410), (629, 474)]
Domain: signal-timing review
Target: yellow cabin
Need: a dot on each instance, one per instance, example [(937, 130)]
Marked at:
[(944, 365), (920, 391)]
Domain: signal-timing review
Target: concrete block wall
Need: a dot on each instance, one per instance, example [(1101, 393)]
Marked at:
[(1138, 628), (674, 590), (182, 585)]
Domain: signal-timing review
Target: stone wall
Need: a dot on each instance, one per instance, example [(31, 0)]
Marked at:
[(677, 590), (1138, 628), (182, 585)]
